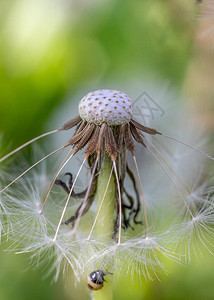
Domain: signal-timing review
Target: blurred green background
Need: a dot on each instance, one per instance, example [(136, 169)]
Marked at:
[(52, 50)]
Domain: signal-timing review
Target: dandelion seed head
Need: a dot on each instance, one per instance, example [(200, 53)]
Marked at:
[(68, 229), (110, 106)]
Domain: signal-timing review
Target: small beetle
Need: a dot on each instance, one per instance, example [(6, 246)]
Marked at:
[(96, 279)]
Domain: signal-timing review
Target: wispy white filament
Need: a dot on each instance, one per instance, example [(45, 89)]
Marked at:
[(86, 197), (66, 204), (26, 144), (31, 167), (177, 189), (168, 165), (65, 161), (144, 202), (187, 145)]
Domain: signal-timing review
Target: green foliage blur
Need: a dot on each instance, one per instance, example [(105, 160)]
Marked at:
[(52, 49), (48, 49)]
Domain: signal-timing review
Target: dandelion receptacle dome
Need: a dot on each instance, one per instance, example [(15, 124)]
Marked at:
[(106, 106)]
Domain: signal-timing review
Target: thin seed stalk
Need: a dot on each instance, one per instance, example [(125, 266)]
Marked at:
[(105, 221)]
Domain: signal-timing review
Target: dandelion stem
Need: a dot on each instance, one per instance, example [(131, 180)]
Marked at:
[(105, 188), (119, 203), (101, 205), (105, 222), (105, 293)]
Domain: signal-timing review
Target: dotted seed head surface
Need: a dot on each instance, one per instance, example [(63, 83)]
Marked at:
[(109, 106)]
